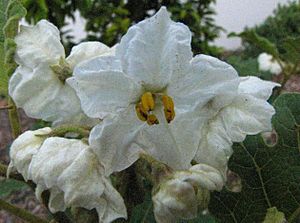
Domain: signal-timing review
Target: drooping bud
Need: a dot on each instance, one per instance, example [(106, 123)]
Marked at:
[(186, 193)]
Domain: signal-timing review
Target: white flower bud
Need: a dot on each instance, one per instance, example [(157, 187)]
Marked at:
[(175, 198), (182, 195), (267, 63), (23, 148)]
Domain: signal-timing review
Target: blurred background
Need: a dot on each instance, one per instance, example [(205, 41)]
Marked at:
[(275, 23)]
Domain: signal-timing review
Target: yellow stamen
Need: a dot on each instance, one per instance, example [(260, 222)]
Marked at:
[(168, 108), (148, 101), (152, 119), (141, 114)]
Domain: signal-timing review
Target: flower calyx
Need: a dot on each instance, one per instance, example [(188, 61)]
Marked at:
[(62, 70)]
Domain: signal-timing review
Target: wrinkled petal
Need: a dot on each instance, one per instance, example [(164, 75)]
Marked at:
[(154, 50), (114, 141), (215, 145), (43, 96), (206, 79), (250, 113), (83, 188), (38, 44), (204, 176), (160, 142), (68, 168), (256, 87), (56, 198), (87, 50), (54, 156), (119, 140), (102, 87), (23, 148)]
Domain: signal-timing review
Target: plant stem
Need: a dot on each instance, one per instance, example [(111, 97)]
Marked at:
[(14, 119), (21, 213)]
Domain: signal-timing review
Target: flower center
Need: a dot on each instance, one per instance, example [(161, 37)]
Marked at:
[(62, 70), (144, 109)]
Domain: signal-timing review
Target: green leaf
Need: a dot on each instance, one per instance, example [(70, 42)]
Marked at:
[(201, 219), (291, 47), (270, 174), (263, 43), (10, 14), (7, 186), (3, 77), (14, 12), (274, 216)]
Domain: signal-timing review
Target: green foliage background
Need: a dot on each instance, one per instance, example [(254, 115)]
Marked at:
[(276, 28), (107, 21)]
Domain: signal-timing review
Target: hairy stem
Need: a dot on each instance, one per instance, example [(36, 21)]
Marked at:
[(21, 213), (14, 119), (82, 131)]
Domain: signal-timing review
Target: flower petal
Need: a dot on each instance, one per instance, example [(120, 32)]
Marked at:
[(256, 87), (215, 145), (119, 140), (207, 78), (155, 49), (87, 50), (55, 155), (247, 116), (38, 44), (43, 96), (160, 141), (102, 87), (114, 140), (23, 148), (68, 168), (84, 186)]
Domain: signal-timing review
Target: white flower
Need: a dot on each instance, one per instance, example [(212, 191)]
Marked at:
[(38, 84), (267, 63), (229, 118), (23, 148), (180, 196), (70, 170), (147, 94)]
